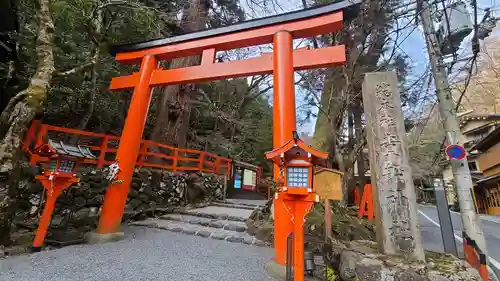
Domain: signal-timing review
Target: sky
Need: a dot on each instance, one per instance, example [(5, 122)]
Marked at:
[(411, 43)]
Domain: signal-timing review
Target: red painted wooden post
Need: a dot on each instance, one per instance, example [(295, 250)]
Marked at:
[(142, 152), (202, 159), (174, 163), (41, 135), (39, 141), (102, 153), (228, 172), (217, 165), (258, 175), (31, 134), (356, 196), (366, 206)]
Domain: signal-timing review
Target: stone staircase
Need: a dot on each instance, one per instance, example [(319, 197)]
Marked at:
[(221, 220)]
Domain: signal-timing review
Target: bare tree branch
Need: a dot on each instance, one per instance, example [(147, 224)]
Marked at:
[(75, 70)]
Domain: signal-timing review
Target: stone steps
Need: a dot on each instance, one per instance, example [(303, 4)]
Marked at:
[(202, 231), (214, 223), (220, 221), (219, 213)]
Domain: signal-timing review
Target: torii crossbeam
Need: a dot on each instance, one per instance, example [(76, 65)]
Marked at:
[(279, 30)]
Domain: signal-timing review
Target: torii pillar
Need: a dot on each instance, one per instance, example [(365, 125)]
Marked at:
[(284, 124)]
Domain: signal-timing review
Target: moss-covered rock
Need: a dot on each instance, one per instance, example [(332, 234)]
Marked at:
[(345, 224), (359, 261), (260, 223)]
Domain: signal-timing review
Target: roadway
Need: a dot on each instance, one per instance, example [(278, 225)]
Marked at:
[(431, 233)]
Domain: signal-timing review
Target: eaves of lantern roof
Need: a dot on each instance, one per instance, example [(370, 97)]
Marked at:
[(52, 148), (295, 143)]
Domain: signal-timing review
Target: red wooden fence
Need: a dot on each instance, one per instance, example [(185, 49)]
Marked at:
[(152, 154)]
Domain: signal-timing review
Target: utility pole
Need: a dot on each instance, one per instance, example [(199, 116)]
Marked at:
[(461, 172)]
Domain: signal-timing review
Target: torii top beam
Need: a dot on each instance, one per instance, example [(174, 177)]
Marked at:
[(301, 24)]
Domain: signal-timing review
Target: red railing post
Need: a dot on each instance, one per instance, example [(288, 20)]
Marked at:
[(228, 171), (34, 158), (217, 165), (174, 161), (258, 176), (142, 152), (31, 135), (202, 159), (41, 135), (102, 153)]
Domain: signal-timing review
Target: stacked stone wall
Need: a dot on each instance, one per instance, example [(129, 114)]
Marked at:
[(77, 210)]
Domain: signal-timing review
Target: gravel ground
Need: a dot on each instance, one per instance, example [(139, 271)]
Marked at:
[(146, 254)]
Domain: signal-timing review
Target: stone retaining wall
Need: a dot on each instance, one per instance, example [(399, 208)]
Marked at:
[(77, 210)]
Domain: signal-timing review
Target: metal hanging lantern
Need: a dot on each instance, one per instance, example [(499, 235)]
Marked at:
[(309, 265), (63, 158)]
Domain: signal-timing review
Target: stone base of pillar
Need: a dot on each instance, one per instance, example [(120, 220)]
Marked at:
[(99, 238), (278, 271), (275, 270)]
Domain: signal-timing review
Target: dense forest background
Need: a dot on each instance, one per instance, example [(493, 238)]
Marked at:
[(230, 118)]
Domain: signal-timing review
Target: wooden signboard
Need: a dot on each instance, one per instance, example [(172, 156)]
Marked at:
[(327, 183)]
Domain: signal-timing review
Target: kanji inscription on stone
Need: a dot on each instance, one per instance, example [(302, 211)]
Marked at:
[(394, 194)]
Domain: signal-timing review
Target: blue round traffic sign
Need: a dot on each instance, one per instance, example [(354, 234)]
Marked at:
[(455, 152)]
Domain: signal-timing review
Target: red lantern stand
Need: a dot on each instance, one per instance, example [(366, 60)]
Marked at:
[(63, 161), (296, 161)]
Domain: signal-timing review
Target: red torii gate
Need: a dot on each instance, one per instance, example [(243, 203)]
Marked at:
[(279, 30)]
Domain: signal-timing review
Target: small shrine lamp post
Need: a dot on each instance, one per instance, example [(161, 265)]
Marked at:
[(296, 161), (58, 174)]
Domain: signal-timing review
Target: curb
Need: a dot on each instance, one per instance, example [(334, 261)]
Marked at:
[(213, 216), (206, 234), (236, 206)]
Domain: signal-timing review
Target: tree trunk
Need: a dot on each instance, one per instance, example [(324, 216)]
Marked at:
[(19, 113), (181, 127), (350, 179), (172, 107), (172, 125), (357, 112), (97, 24), (331, 110)]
